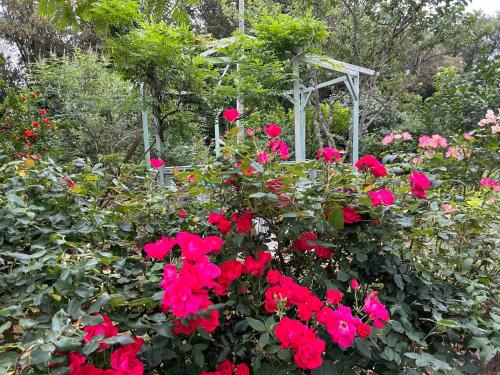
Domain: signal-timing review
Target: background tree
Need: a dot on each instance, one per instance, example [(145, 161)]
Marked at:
[(97, 111)]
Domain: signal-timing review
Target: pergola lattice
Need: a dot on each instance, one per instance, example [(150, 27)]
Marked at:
[(301, 94)]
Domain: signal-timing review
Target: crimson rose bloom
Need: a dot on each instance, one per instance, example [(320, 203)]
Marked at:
[(242, 369), (382, 196), (273, 130), (350, 215), (371, 163), (225, 367), (363, 330), (419, 183), (231, 114), (333, 296), (106, 329)]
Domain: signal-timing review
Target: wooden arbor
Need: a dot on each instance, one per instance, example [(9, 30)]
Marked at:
[(300, 95)]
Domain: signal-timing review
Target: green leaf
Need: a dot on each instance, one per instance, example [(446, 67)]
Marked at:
[(256, 324), (336, 218), (122, 340), (198, 357), (4, 327), (327, 368), (363, 348), (59, 321), (264, 339)]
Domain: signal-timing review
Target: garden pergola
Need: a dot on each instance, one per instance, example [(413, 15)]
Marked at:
[(300, 95)]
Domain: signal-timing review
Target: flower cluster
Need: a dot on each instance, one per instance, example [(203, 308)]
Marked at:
[(431, 143), (284, 293), (105, 330), (329, 154), (303, 244), (227, 367), (391, 137), (243, 222), (419, 183), (123, 360), (490, 183), (491, 119), (382, 196), (186, 290), (457, 152), (307, 347), (370, 162)]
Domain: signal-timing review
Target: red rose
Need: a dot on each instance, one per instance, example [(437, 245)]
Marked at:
[(363, 330), (273, 130), (350, 215), (242, 369), (225, 367), (231, 114), (334, 296)]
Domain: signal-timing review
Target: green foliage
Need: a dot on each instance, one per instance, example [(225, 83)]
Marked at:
[(285, 33), (24, 130), (71, 240), (97, 110), (461, 98)]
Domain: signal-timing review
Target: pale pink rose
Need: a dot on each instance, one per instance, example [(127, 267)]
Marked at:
[(407, 136), (447, 207), (250, 132), (388, 139), (495, 129), (417, 161), (489, 118)]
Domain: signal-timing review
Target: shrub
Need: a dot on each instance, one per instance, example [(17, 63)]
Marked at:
[(283, 268)]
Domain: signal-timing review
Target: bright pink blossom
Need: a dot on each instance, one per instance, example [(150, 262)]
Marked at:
[(350, 215), (156, 163), (376, 310), (370, 162), (273, 130), (329, 154), (273, 277), (382, 196), (339, 324), (262, 157), (231, 115), (105, 329), (124, 360), (354, 284), (257, 266), (419, 183), (160, 248), (242, 369), (280, 148), (334, 296), (488, 182)]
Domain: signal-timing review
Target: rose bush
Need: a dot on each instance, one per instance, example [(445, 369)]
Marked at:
[(253, 265)]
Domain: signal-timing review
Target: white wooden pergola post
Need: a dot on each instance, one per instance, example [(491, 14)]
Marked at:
[(239, 100), (145, 126), (355, 119), (299, 125)]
